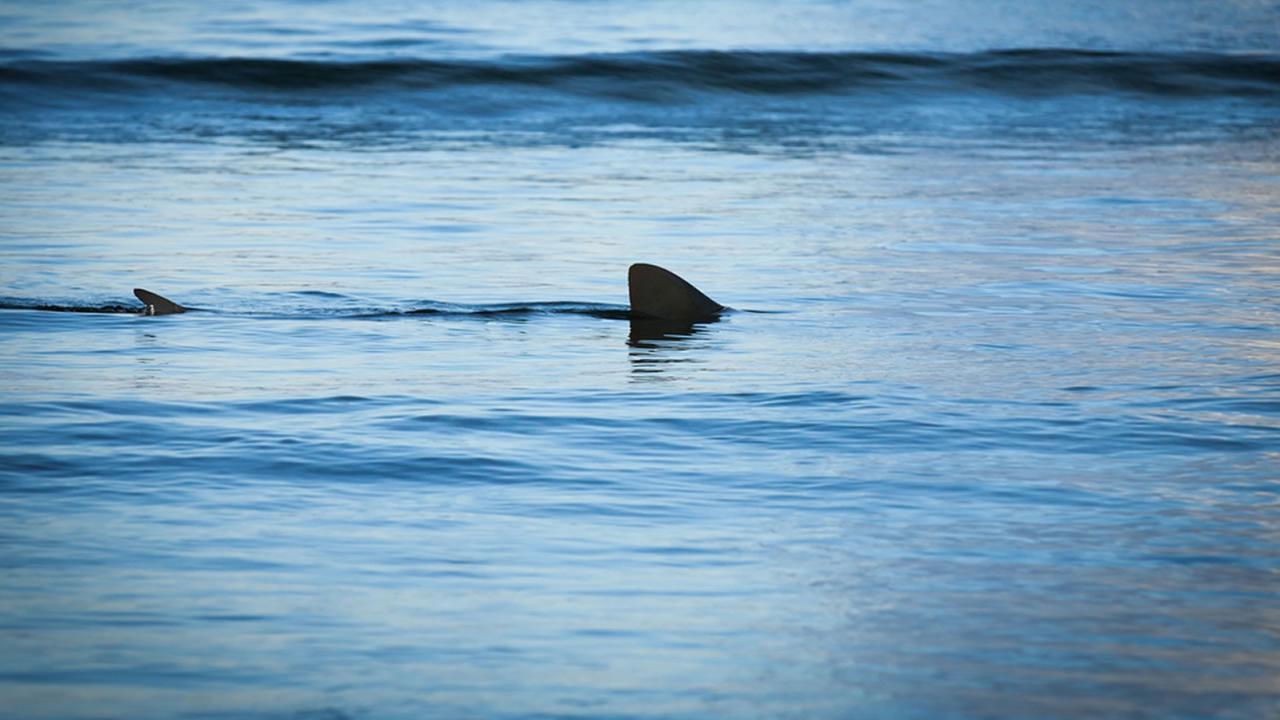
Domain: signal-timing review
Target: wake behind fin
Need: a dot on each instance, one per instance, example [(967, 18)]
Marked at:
[(157, 305), (661, 294)]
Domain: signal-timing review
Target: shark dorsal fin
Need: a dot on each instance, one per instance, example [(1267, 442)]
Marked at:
[(157, 305), (660, 293)]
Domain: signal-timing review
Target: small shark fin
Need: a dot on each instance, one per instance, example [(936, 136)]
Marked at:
[(157, 305), (659, 293)]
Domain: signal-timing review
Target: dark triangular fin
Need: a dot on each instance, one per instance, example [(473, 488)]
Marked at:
[(157, 305), (660, 293)]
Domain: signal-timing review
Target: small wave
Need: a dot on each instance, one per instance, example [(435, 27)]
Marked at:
[(109, 308), (662, 76), (614, 312), (422, 309)]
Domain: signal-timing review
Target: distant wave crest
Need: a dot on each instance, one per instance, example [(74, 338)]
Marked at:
[(663, 76)]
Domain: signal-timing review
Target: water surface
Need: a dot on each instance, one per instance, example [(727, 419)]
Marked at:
[(992, 433)]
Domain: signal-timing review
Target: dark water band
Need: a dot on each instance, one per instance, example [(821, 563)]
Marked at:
[(663, 76)]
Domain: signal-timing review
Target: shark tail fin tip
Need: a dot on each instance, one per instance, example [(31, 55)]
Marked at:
[(659, 293), (157, 304)]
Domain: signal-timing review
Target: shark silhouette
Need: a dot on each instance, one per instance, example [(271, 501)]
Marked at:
[(156, 304), (656, 294)]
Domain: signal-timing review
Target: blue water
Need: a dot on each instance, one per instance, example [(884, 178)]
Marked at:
[(993, 431)]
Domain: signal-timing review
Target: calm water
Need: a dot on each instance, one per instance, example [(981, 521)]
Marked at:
[(995, 430)]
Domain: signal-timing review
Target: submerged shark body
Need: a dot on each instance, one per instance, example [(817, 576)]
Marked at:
[(657, 294)]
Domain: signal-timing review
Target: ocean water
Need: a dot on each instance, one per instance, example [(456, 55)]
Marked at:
[(993, 430)]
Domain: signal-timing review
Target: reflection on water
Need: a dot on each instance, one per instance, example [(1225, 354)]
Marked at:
[(658, 345), (646, 332)]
